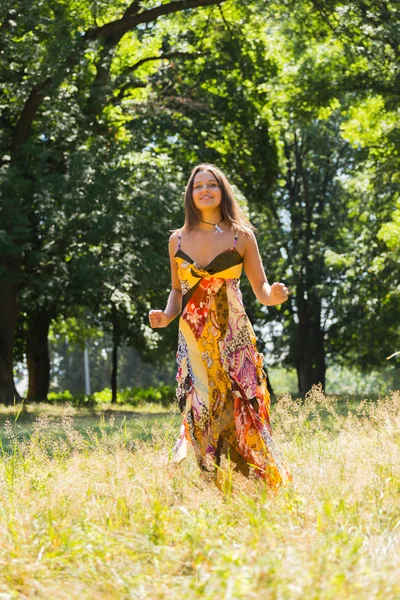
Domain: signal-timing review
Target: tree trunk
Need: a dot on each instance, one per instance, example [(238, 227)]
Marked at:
[(310, 352), (114, 372), (8, 320), (269, 386), (116, 341), (37, 352)]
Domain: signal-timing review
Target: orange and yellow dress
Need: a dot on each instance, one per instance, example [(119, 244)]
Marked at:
[(222, 392)]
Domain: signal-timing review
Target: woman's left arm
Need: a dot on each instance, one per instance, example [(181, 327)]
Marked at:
[(269, 295)]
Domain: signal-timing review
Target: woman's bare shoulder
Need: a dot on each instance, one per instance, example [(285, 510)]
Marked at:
[(173, 239), (247, 235)]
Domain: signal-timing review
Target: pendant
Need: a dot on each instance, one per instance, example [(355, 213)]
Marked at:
[(218, 229)]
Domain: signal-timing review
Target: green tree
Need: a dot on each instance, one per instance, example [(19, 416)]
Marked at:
[(338, 66), (66, 69)]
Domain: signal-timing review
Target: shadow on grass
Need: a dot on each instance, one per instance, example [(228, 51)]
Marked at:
[(19, 423)]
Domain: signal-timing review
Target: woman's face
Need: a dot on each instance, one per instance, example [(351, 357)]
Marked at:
[(206, 191)]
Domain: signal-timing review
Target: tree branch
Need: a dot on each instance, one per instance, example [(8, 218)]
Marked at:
[(120, 79), (29, 111), (132, 9), (133, 85), (121, 26), (113, 32)]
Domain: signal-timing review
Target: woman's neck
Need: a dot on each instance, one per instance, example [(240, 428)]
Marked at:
[(212, 218)]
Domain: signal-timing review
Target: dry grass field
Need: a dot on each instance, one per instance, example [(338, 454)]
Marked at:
[(96, 511)]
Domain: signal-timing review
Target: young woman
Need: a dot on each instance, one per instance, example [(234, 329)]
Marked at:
[(222, 391)]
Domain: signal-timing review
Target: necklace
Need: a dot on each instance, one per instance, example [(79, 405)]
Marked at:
[(216, 225)]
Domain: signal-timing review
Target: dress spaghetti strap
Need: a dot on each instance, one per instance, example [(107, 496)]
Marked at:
[(179, 240)]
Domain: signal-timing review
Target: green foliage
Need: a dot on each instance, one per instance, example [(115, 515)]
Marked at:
[(333, 112), (66, 398), (162, 395), (390, 232)]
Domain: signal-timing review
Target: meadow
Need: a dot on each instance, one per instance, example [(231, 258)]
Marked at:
[(92, 508)]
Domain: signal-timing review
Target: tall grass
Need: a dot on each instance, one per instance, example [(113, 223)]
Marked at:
[(100, 515)]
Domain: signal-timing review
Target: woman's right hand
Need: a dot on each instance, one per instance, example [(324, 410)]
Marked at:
[(158, 318)]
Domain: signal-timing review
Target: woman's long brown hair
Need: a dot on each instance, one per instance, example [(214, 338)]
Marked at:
[(230, 209)]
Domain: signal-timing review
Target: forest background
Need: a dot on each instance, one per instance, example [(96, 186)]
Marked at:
[(105, 107)]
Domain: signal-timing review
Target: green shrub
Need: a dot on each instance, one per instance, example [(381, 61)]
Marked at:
[(76, 400), (134, 396), (103, 397), (163, 394)]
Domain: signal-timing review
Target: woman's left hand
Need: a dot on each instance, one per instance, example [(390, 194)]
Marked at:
[(279, 293)]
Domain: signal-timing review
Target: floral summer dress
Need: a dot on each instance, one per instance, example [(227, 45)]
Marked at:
[(222, 392)]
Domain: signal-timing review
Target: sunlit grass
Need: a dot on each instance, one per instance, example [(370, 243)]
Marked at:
[(139, 420), (100, 513)]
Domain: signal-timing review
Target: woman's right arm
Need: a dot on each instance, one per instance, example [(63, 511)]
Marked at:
[(162, 318)]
